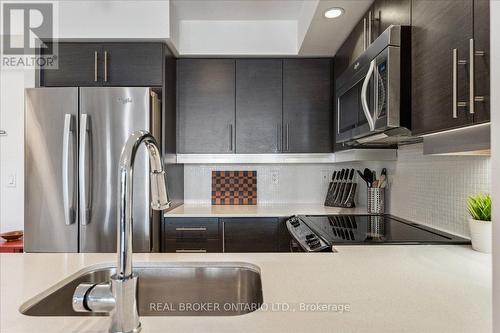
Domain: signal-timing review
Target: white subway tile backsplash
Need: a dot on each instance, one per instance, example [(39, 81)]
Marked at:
[(431, 190), (297, 183)]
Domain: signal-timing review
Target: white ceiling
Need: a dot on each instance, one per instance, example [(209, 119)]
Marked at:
[(237, 9), (325, 36), (291, 27)]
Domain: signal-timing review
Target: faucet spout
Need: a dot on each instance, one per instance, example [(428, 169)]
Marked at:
[(119, 296), (159, 193)]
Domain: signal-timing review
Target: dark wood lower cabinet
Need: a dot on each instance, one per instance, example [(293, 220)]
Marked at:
[(250, 234), (200, 235)]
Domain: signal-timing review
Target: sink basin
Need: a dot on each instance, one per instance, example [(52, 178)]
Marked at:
[(166, 289)]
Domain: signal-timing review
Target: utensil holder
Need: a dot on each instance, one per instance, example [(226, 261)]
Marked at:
[(376, 200)]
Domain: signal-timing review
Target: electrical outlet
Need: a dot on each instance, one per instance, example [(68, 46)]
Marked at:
[(11, 181), (325, 176), (275, 177)]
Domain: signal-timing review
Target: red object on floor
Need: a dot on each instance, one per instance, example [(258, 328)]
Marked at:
[(11, 247)]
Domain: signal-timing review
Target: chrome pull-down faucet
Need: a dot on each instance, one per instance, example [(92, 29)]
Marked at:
[(118, 297)]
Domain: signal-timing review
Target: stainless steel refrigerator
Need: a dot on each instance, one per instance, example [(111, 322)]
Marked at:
[(73, 140)]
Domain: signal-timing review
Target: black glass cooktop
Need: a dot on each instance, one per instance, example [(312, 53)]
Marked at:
[(375, 229)]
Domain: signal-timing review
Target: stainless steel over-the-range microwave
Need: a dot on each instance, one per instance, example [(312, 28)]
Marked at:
[(373, 95)]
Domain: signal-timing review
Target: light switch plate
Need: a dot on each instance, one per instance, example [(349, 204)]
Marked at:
[(275, 177), (11, 181)]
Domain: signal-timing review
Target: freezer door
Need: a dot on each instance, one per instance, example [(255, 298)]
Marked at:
[(107, 117), (50, 211)]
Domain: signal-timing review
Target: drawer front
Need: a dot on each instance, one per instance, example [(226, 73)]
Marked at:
[(191, 228), (189, 246)]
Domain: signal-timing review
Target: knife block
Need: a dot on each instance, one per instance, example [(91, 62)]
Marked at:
[(341, 194)]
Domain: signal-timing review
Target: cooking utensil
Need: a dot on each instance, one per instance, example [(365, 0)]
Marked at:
[(362, 177), (368, 176), (384, 172)]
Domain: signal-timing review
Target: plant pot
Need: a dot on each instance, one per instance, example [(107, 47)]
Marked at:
[(480, 233)]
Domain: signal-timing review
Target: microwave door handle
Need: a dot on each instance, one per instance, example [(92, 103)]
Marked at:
[(364, 101)]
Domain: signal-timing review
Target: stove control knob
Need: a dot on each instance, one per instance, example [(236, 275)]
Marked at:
[(314, 245)]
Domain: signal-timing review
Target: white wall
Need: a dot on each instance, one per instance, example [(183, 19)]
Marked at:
[(12, 84), (115, 19), (495, 137), (237, 37)]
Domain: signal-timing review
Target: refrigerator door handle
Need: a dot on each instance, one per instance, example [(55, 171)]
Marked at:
[(84, 176), (68, 168)]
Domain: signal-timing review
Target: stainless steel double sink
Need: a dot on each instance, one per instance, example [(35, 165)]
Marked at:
[(166, 289)]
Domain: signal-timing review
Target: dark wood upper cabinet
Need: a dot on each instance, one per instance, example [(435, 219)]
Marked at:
[(133, 64), (307, 106), (108, 64), (438, 28), (258, 105), (206, 105), (482, 63), (250, 234), (387, 12), (78, 65)]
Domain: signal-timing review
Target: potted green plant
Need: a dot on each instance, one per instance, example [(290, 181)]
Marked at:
[(479, 207)]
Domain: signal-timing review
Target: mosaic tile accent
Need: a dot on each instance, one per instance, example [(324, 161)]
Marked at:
[(234, 187)]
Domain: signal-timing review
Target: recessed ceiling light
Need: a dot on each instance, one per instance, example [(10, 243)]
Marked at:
[(333, 12)]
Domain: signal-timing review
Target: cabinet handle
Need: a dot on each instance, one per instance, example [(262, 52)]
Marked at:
[(455, 102), (191, 251), (96, 66), (191, 229), (105, 66), (369, 28), (472, 93), (364, 33), (3, 133), (230, 137), (278, 148), (287, 142), (223, 236)]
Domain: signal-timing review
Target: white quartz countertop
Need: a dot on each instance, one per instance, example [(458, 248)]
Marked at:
[(388, 288), (270, 210)]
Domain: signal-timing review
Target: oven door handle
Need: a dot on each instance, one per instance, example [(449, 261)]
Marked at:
[(364, 100)]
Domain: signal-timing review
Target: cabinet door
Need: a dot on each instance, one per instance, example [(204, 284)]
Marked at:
[(258, 105), (250, 234), (132, 64), (307, 106), (387, 12), (482, 64), (79, 65), (206, 105), (439, 27)]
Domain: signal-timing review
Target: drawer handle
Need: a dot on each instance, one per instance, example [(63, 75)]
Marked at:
[(191, 229), (191, 251)]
